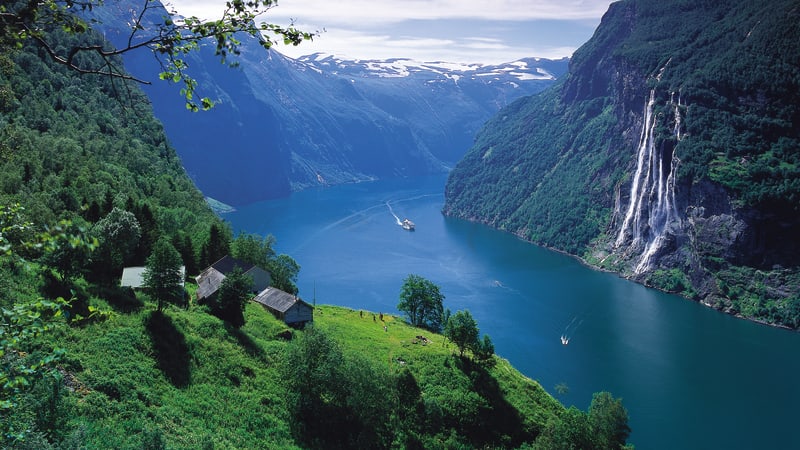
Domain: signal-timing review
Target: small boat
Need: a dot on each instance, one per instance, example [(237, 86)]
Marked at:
[(564, 340), (407, 224)]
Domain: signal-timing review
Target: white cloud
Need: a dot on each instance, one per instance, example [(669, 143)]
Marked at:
[(363, 12), (464, 31)]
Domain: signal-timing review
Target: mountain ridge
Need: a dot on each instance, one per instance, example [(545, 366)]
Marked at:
[(288, 125)]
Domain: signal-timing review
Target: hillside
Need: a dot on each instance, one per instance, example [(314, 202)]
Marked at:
[(193, 381), (669, 154), (74, 147), (287, 124), (99, 187)]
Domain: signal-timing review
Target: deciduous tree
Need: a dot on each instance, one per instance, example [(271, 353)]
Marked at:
[(259, 251), (609, 421), (421, 300), (284, 270), (462, 329), (117, 233)]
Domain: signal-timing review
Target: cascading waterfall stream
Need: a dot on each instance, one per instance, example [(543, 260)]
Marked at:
[(652, 195)]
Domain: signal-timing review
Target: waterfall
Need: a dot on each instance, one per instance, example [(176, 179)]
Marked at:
[(651, 213)]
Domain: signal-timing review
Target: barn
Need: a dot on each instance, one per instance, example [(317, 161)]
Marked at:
[(286, 307)]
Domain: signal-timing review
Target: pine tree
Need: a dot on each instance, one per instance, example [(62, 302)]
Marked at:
[(162, 274)]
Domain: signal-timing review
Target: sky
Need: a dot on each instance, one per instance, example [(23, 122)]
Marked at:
[(464, 31)]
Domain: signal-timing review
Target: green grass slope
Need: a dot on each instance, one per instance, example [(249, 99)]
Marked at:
[(188, 380)]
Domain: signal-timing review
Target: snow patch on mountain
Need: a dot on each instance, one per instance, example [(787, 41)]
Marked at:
[(522, 70)]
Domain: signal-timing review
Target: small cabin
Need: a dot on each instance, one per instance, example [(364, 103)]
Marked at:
[(286, 307), (209, 281)]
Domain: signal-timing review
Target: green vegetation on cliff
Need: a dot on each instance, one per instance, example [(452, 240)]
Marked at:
[(557, 168), (73, 147)]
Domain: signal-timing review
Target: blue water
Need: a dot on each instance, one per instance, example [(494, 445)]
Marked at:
[(690, 377)]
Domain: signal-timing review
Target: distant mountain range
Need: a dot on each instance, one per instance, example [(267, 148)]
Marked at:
[(282, 124)]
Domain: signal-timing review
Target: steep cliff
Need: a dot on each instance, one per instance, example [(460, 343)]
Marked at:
[(669, 154)]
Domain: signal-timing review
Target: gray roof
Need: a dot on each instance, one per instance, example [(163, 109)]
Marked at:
[(277, 299), (133, 276), (226, 264), (208, 282)]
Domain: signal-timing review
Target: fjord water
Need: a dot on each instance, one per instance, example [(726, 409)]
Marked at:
[(690, 377)]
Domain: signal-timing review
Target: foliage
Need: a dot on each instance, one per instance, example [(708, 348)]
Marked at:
[(259, 251), (609, 421), (182, 242), (760, 294), (162, 275), (672, 280), (23, 322), (338, 401), (254, 249), (70, 250), (168, 38), (284, 270), (462, 403), (484, 350), (117, 233), (146, 373), (70, 151), (217, 245), (605, 427), (421, 300), (229, 301), (462, 330)]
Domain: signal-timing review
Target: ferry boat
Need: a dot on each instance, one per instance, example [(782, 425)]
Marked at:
[(407, 224)]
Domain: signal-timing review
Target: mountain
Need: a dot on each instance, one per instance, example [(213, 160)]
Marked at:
[(668, 154), (281, 124)]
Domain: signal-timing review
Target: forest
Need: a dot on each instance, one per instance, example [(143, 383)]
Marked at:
[(90, 185)]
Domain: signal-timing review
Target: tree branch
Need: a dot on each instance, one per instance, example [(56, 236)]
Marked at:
[(169, 39)]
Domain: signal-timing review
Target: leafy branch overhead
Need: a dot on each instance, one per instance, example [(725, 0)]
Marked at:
[(168, 36)]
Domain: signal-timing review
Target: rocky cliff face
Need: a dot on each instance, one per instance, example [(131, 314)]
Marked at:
[(669, 154)]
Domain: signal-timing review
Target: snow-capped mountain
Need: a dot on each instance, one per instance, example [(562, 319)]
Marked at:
[(283, 124), (522, 70)]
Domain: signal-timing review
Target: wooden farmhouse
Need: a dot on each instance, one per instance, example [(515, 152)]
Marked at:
[(286, 307), (209, 281)]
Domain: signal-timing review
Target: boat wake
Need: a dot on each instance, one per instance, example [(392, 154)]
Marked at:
[(397, 219), (570, 330)]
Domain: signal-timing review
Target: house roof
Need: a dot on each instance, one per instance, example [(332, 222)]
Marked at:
[(227, 263), (211, 278), (208, 282), (277, 299), (134, 276)]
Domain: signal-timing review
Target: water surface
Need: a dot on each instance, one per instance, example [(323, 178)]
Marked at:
[(690, 377)]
